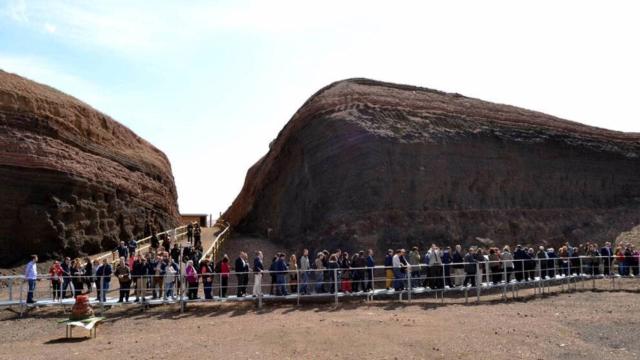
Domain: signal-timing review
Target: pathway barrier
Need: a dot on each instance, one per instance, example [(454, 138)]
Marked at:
[(145, 243), (482, 278)]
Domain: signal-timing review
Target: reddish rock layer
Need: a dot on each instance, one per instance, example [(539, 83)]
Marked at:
[(72, 179), (366, 163)]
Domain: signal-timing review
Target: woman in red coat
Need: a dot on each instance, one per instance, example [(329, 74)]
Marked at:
[(55, 272), (225, 269)]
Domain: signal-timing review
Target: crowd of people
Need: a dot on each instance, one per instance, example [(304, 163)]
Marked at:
[(165, 271)]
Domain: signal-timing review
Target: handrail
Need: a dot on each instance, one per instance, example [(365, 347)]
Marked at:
[(213, 248), (143, 240)]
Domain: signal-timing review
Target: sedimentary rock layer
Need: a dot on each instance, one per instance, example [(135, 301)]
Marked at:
[(365, 163), (72, 180)]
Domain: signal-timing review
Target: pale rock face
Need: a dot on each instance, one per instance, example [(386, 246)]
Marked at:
[(72, 180), (371, 164)]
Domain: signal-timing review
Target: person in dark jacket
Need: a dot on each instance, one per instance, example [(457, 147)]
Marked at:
[(123, 273), (258, 269), (190, 233), (104, 278), (371, 264), (175, 253), (139, 274), (519, 257), (530, 265), (273, 274), (206, 273), (242, 274), (88, 274), (457, 260), (446, 261), (66, 276), (470, 268), (132, 245), (607, 258), (122, 250), (281, 274), (155, 243)]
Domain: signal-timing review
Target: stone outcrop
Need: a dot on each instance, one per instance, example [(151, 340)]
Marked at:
[(371, 164), (72, 180)]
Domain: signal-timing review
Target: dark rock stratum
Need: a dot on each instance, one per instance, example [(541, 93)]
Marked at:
[(371, 164), (72, 180)]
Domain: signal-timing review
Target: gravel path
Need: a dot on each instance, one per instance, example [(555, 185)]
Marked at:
[(585, 325)]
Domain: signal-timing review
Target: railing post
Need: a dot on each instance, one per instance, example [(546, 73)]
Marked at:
[(298, 286), (10, 289), (581, 272), (335, 285), (504, 278), (409, 287), (478, 281)]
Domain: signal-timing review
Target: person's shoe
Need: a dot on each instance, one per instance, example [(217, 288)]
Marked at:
[(120, 300)]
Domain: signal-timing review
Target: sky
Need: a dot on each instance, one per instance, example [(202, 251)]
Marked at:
[(211, 83)]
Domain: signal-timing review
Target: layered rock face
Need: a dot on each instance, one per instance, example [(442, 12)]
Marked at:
[(72, 180), (372, 164)]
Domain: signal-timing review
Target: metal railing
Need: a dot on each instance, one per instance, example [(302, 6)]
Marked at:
[(371, 283), (145, 243), (212, 250)]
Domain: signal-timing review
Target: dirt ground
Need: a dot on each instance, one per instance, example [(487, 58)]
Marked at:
[(577, 325)]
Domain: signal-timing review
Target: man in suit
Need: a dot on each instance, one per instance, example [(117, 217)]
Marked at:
[(607, 257), (242, 272)]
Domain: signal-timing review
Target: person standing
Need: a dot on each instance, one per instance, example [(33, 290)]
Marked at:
[(123, 273), (133, 245), (319, 273), (305, 266), (206, 272), (66, 276), (55, 274), (414, 262), (258, 268), (140, 273), (388, 269), (170, 279), (241, 269), (371, 264), (77, 278), (293, 274), (191, 276), (281, 274), (457, 259), (520, 257), (470, 268), (398, 278), (122, 250), (332, 268), (607, 258), (507, 262), (434, 259), (225, 269), (190, 233), (31, 275), (104, 279)]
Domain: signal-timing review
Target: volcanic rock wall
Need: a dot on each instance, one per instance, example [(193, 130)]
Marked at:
[(72, 180), (366, 163)]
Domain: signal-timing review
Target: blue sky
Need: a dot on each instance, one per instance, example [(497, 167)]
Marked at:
[(212, 82)]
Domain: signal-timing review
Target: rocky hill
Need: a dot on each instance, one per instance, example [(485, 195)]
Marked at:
[(365, 163), (73, 180)]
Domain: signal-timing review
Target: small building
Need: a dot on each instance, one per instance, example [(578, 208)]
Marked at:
[(190, 218)]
